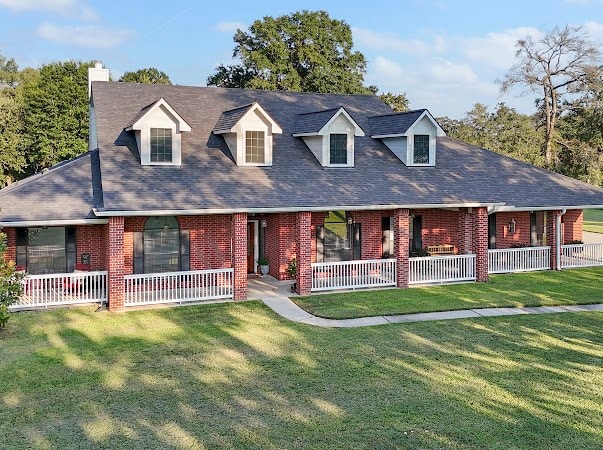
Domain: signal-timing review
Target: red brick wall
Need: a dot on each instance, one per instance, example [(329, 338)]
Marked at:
[(210, 240), (480, 242), (115, 262), (131, 225), (440, 226), (11, 244), (465, 232), (92, 239), (318, 218), (572, 225), (280, 243), (551, 235), (372, 235), (504, 239)]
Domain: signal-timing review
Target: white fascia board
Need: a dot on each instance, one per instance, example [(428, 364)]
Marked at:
[(53, 223), (385, 136), (182, 125), (357, 130), (439, 131), (543, 208), (305, 134), (194, 212)]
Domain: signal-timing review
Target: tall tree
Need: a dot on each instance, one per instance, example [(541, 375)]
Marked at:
[(55, 113), (397, 102), (559, 64), (150, 75), (304, 51)]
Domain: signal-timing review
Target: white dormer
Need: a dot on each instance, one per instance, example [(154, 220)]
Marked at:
[(330, 136), (158, 128), (411, 136), (248, 132)]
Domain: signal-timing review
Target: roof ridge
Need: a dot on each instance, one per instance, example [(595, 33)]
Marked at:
[(322, 111), (399, 113), (36, 176), (240, 107)]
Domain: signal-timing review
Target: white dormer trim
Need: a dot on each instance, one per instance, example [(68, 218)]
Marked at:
[(403, 144), (320, 142), (159, 115), (255, 119)]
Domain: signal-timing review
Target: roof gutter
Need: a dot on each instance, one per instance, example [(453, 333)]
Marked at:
[(53, 223), (210, 211), (543, 208), (558, 238)]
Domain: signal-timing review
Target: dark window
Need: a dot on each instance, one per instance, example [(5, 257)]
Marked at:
[(338, 239), (421, 150), (538, 228), (254, 147), (492, 231), (46, 250), (387, 237), (416, 233), (161, 145), (338, 153), (161, 245)]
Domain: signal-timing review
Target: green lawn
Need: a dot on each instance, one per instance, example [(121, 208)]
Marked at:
[(593, 220), (237, 376), (546, 288)]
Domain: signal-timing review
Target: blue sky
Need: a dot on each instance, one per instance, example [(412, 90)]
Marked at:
[(445, 55)]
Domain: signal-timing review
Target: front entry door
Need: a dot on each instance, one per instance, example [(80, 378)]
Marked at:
[(250, 247)]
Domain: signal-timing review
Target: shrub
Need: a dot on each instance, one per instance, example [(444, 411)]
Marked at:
[(419, 253), (520, 245), (10, 283), (575, 242), (292, 268)]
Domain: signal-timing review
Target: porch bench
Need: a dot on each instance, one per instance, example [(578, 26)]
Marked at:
[(442, 249)]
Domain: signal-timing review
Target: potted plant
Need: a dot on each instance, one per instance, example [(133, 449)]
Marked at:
[(292, 271), (264, 264)]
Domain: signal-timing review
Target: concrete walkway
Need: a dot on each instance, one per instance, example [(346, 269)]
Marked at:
[(275, 294)]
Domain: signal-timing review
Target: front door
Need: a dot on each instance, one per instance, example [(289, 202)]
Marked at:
[(250, 247)]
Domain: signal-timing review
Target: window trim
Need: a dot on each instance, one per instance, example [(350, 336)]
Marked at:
[(23, 248), (171, 138), (264, 135), (414, 150), (347, 150)]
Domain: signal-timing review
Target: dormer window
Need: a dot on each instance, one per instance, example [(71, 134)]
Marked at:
[(161, 145), (421, 149), (329, 135), (255, 148), (338, 152), (158, 130), (248, 131)]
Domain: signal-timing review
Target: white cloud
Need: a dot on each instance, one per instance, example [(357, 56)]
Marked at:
[(389, 41), (450, 73), (230, 27), (63, 7), (595, 31), (85, 36)]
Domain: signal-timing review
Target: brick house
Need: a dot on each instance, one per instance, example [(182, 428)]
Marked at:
[(184, 189)]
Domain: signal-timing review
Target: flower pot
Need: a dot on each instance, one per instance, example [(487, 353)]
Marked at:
[(265, 270)]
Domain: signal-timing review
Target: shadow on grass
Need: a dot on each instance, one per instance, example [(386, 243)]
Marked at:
[(237, 376)]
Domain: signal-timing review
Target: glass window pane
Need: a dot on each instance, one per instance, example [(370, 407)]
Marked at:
[(338, 153), (161, 145), (421, 150), (255, 147), (46, 250), (337, 244), (161, 245)]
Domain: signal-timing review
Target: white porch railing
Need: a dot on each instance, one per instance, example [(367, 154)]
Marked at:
[(62, 289), (178, 287), (523, 259), (441, 269), (353, 274), (581, 255)]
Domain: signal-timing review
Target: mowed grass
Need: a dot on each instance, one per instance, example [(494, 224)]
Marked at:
[(237, 376), (593, 220), (546, 288)]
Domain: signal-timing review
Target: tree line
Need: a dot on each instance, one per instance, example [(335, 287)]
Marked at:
[(44, 111)]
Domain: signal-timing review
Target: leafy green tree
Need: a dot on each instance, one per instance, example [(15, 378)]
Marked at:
[(304, 51), (397, 102), (55, 113), (149, 75), (560, 64), (9, 71), (10, 283)]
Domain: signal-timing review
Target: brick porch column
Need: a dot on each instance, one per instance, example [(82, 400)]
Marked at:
[(401, 245), (480, 243), (11, 244), (551, 235), (115, 263), (239, 255), (303, 252)]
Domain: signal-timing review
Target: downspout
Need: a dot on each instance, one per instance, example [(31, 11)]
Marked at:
[(558, 238)]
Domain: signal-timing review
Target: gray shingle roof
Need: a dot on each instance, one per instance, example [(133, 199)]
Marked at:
[(312, 122), (395, 123), (140, 113), (208, 178), (229, 119), (67, 191)]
